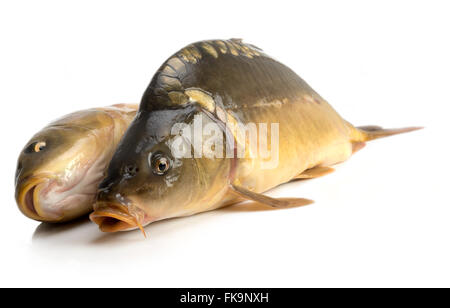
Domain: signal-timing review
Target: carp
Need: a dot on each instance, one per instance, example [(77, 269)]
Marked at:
[(231, 92), (59, 169)]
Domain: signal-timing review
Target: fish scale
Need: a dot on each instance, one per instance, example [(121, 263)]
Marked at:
[(225, 82), (259, 89)]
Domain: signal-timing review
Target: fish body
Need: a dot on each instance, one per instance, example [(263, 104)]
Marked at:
[(59, 169), (231, 84)]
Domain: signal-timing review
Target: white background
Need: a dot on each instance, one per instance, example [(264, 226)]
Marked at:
[(382, 219)]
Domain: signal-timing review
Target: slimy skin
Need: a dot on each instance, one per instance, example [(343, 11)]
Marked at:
[(59, 169), (223, 82)]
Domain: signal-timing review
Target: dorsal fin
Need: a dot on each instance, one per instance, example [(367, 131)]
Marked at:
[(166, 87)]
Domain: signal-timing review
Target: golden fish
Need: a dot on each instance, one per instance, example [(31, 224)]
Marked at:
[(59, 169), (245, 93)]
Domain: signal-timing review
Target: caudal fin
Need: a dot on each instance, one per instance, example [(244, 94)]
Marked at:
[(368, 133)]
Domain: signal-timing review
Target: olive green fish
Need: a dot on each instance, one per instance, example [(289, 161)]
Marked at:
[(244, 92), (59, 169)]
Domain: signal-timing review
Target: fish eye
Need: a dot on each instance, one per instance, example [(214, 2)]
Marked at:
[(35, 147), (39, 146), (159, 163)]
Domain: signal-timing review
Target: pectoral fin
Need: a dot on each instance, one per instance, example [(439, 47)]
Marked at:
[(314, 172), (260, 198)]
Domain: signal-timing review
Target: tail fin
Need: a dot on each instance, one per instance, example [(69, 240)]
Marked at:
[(368, 133)]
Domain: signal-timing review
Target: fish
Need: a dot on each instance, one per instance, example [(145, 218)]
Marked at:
[(235, 90), (59, 169)]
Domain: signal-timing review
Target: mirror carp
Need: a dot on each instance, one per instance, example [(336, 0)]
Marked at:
[(230, 93)]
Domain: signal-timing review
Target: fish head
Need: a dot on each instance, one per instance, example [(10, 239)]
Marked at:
[(156, 174), (59, 169)]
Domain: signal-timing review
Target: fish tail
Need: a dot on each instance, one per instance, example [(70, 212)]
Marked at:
[(367, 133)]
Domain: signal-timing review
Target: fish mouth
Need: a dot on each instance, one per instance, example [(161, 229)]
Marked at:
[(28, 201), (115, 217)]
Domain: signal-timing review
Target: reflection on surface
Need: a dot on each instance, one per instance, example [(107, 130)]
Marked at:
[(79, 248), (48, 229), (83, 232)]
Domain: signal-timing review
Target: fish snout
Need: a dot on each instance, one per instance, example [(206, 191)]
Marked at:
[(113, 217), (28, 197), (113, 211), (117, 178), (129, 171), (104, 195)]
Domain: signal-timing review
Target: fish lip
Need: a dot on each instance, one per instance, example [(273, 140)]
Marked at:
[(28, 200), (113, 217)]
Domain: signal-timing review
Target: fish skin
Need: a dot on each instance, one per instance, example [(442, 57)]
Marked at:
[(246, 86), (65, 174), (263, 90)]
